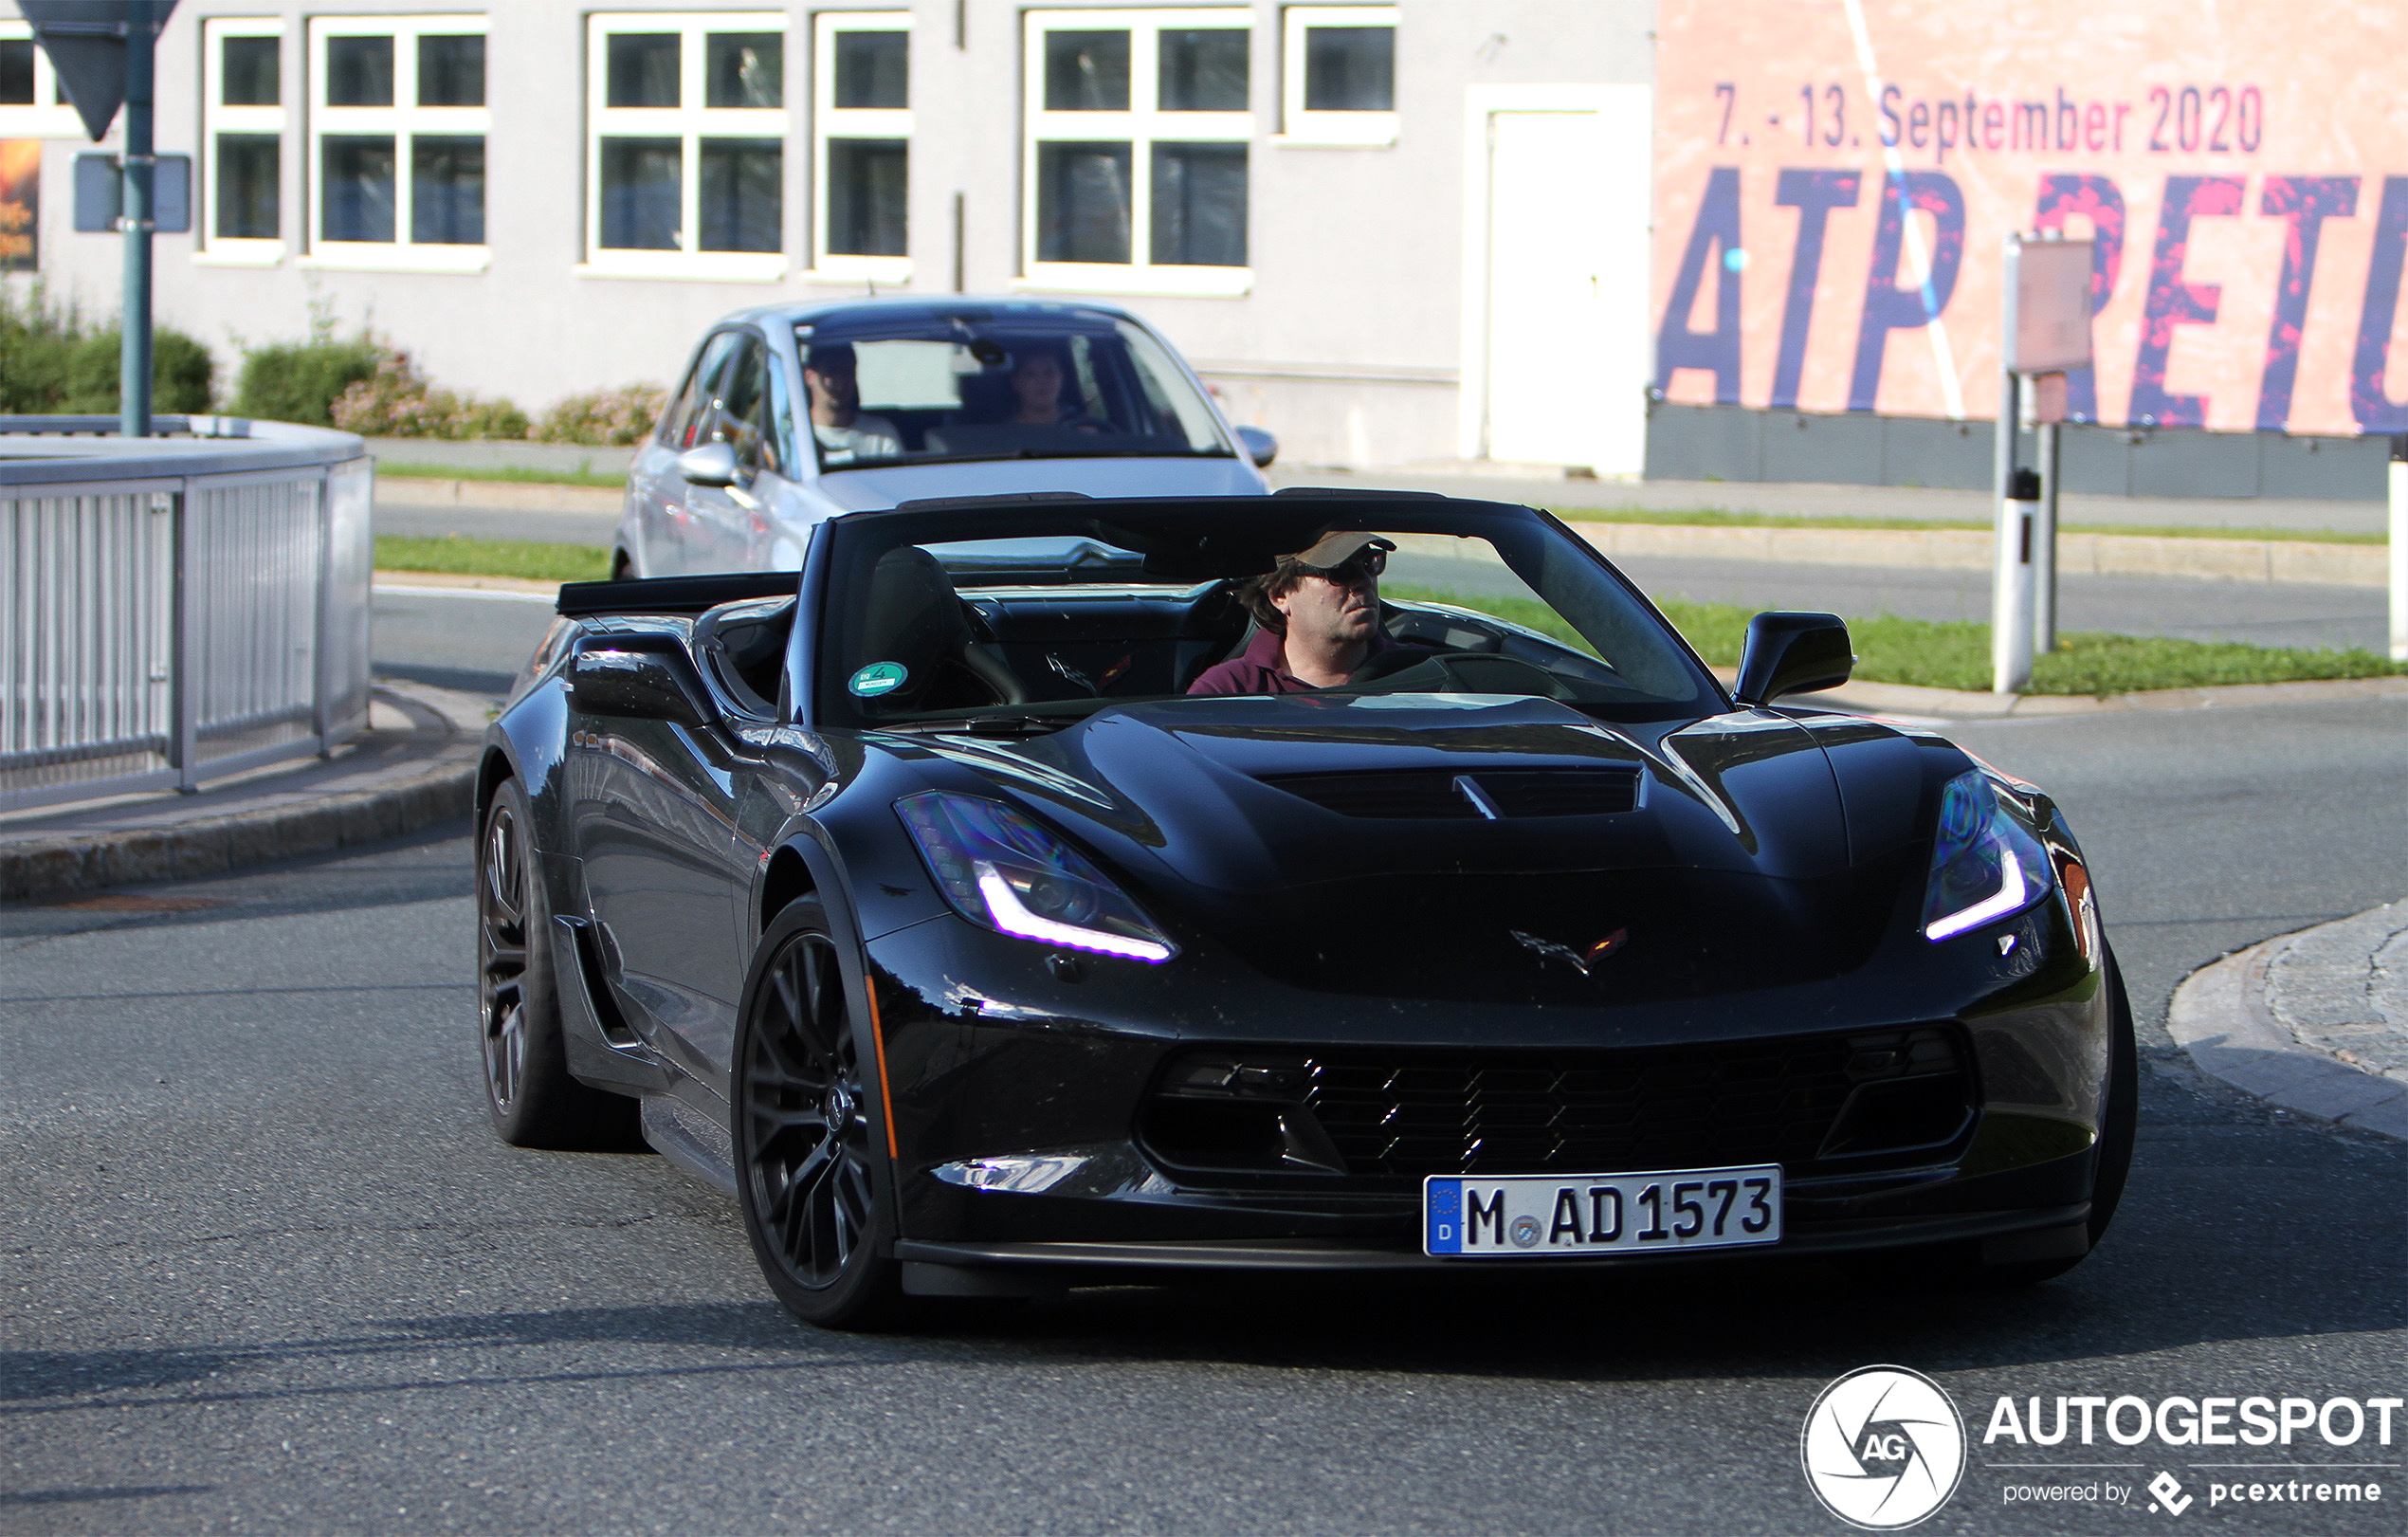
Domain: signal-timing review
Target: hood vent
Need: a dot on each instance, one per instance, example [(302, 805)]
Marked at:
[(1427, 794)]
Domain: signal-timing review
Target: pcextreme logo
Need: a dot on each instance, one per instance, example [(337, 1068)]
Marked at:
[(1882, 1448)]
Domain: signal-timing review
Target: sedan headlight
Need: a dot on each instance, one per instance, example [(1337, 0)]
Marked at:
[(999, 869), (1986, 863)]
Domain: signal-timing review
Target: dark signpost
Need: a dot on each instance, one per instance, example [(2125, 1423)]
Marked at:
[(103, 51)]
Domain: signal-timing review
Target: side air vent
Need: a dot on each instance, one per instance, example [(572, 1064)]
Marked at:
[(1437, 793)]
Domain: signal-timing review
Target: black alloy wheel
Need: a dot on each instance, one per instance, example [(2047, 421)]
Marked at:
[(810, 1141), (529, 1094)]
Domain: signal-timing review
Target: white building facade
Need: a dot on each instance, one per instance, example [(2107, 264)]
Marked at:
[(1398, 233)]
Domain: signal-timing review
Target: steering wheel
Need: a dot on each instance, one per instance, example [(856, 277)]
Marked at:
[(1468, 673), (1085, 423)]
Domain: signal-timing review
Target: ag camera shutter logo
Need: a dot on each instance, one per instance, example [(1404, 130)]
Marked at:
[(1882, 1448)]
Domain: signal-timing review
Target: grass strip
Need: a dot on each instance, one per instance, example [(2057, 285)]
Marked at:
[(456, 555), (388, 470), (1725, 518), (1955, 654)]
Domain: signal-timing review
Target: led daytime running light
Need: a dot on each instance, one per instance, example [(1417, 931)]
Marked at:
[(2010, 897), (1012, 916)]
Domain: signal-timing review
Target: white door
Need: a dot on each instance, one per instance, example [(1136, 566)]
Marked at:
[(1566, 354)]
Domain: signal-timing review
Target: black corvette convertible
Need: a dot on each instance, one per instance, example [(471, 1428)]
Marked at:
[(918, 903)]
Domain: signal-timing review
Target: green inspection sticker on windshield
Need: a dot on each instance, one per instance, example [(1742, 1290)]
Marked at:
[(878, 678)]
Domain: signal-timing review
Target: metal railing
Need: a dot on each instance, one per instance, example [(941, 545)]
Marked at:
[(176, 609)]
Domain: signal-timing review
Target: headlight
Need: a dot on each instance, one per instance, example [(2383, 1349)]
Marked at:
[(1985, 863), (999, 869)]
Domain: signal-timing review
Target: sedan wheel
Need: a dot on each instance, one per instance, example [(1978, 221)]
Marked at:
[(529, 1094), (809, 1151)]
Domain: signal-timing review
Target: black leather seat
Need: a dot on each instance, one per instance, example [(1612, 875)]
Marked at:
[(916, 618)]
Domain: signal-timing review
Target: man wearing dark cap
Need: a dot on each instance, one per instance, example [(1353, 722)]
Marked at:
[(1318, 610), (843, 431)]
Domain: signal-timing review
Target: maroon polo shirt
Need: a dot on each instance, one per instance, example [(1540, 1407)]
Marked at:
[(1263, 668)]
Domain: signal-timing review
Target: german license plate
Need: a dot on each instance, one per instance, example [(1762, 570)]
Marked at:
[(1601, 1213)]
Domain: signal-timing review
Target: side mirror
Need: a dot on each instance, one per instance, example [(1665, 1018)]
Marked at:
[(1260, 445), (1793, 653), (709, 463), (639, 677)]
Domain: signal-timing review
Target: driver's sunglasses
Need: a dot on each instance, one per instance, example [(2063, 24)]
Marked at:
[(1354, 570)]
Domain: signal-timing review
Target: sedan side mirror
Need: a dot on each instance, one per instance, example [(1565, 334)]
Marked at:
[(638, 677), (1793, 653), (709, 463), (1260, 445)]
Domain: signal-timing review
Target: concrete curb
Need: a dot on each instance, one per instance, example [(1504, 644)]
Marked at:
[(1959, 549), (2220, 1018), (499, 496), (1904, 699), (403, 798)]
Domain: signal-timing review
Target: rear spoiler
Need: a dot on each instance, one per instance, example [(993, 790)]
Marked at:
[(674, 595)]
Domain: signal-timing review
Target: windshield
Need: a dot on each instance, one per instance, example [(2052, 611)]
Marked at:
[(1045, 617), (1002, 391)]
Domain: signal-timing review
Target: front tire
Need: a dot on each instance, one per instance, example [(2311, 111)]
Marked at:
[(811, 1155), (529, 1095)]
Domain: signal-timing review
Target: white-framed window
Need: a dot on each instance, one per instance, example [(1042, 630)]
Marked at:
[(241, 141), (1138, 126), (861, 137), (1338, 75), (398, 127), (32, 104), (685, 145)]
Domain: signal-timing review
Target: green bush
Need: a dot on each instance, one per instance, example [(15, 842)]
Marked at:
[(299, 381), (52, 363), (604, 418), (397, 401), (182, 372)]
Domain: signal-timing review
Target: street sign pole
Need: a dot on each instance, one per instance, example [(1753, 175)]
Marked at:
[(2399, 549), (134, 361), (103, 53), (2011, 569)]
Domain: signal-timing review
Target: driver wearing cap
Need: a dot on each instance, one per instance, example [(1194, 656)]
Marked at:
[(1318, 610)]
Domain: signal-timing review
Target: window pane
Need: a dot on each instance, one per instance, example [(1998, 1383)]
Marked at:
[(16, 72), (451, 71), (1086, 71), (641, 189), (1204, 71), (742, 199), (1350, 70), (643, 69), (447, 189), (743, 421), (359, 71), (873, 70), (358, 173), (250, 76), (247, 167), (868, 181), (744, 69), (1199, 205), (1083, 202)]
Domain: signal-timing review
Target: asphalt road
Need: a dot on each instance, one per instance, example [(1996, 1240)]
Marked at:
[(267, 1271)]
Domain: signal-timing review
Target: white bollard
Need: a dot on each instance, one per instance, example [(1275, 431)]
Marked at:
[(2399, 549), (2011, 586)]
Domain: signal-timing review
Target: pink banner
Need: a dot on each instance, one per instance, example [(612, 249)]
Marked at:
[(1835, 179)]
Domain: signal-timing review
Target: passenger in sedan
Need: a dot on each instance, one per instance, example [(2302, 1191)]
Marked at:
[(1037, 379), (1318, 610), (844, 433)]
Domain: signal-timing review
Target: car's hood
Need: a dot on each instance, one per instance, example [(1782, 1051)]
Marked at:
[(1734, 870), (1179, 789), (864, 490)]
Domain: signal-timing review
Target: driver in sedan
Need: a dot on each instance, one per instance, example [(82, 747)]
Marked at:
[(1318, 610)]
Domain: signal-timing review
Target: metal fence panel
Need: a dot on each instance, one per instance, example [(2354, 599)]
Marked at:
[(161, 623)]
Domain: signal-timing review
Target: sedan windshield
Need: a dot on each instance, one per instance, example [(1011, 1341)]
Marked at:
[(1022, 390)]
